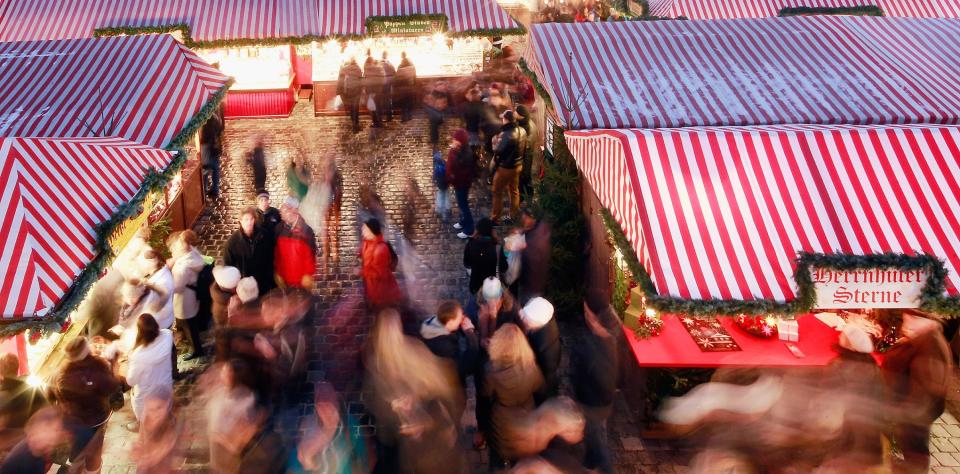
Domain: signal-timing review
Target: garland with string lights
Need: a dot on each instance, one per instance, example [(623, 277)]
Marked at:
[(58, 319), (932, 296), (868, 10)]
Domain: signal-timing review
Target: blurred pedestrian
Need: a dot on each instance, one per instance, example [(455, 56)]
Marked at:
[(441, 201), (917, 370), (496, 307), (186, 264), (510, 380), (282, 344), (330, 444), (508, 152), (44, 433), (157, 448), (475, 113), (513, 245), (373, 83), (480, 259), (388, 80), (250, 248), (258, 163), (211, 148), (378, 261), (295, 257), (525, 122), (435, 103), (461, 169), (530, 432), (535, 258), (262, 450), (405, 87), (369, 207), (331, 235), (160, 284), (149, 367), (86, 391), (350, 88), (543, 334), (222, 290), (228, 400), (595, 361), (451, 335), (298, 179), (18, 399)]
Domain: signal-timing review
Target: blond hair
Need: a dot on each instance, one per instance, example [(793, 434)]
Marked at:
[(509, 347)]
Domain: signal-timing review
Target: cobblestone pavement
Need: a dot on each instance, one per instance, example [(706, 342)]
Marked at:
[(387, 160)]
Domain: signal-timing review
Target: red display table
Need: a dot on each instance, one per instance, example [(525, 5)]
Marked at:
[(260, 103), (675, 348)]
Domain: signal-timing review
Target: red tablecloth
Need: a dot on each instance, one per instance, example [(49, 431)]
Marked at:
[(675, 348)]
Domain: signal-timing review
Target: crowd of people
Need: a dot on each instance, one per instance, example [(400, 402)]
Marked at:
[(570, 11)]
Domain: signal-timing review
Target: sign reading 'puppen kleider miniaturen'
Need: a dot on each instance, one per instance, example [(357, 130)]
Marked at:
[(867, 288)]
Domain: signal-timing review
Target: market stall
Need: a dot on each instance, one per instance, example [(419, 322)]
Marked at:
[(111, 96), (442, 39), (718, 206), (718, 9), (61, 190)]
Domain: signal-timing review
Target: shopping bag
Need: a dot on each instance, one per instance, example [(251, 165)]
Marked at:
[(371, 103)]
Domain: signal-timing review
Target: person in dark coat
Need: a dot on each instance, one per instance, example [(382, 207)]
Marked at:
[(18, 400), (444, 332), (211, 148), (349, 88), (480, 259), (250, 249), (373, 80), (405, 87), (916, 370), (386, 98), (595, 380), (543, 333), (258, 162), (529, 152), (475, 113), (461, 171), (269, 215), (535, 258), (83, 390), (508, 149)]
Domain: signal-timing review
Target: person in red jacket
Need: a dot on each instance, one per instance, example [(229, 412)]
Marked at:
[(295, 257), (461, 171), (377, 262)]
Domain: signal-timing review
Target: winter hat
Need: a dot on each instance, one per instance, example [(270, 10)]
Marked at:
[(226, 277), (247, 289), (492, 289), (485, 227), (536, 313), (291, 202), (461, 136), (78, 349), (263, 194), (854, 338)]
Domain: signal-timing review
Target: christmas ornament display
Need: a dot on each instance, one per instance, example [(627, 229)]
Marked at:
[(760, 326), (709, 334), (649, 325)]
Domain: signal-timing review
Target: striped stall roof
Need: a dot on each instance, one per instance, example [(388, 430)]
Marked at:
[(725, 9), (143, 88), (56, 191), (721, 212), (822, 70), (348, 17)]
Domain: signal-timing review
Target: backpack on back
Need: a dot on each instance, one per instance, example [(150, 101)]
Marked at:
[(439, 170)]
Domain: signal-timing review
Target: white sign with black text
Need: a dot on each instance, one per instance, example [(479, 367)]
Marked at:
[(867, 288)]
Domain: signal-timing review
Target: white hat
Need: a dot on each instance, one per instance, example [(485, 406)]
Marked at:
[(247, 289), (226, 277), (292, 202), (536, 313), (854, 338), (492, 289)]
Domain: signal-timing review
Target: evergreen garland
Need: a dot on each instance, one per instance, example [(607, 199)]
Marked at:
[(932, 298), (153, 181), (868, 10)]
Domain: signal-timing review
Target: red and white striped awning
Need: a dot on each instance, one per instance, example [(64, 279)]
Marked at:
[(719, 9), (218, 20), (143, 88), (55, 192), (721, 212), (348, 17), (824, 70)]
